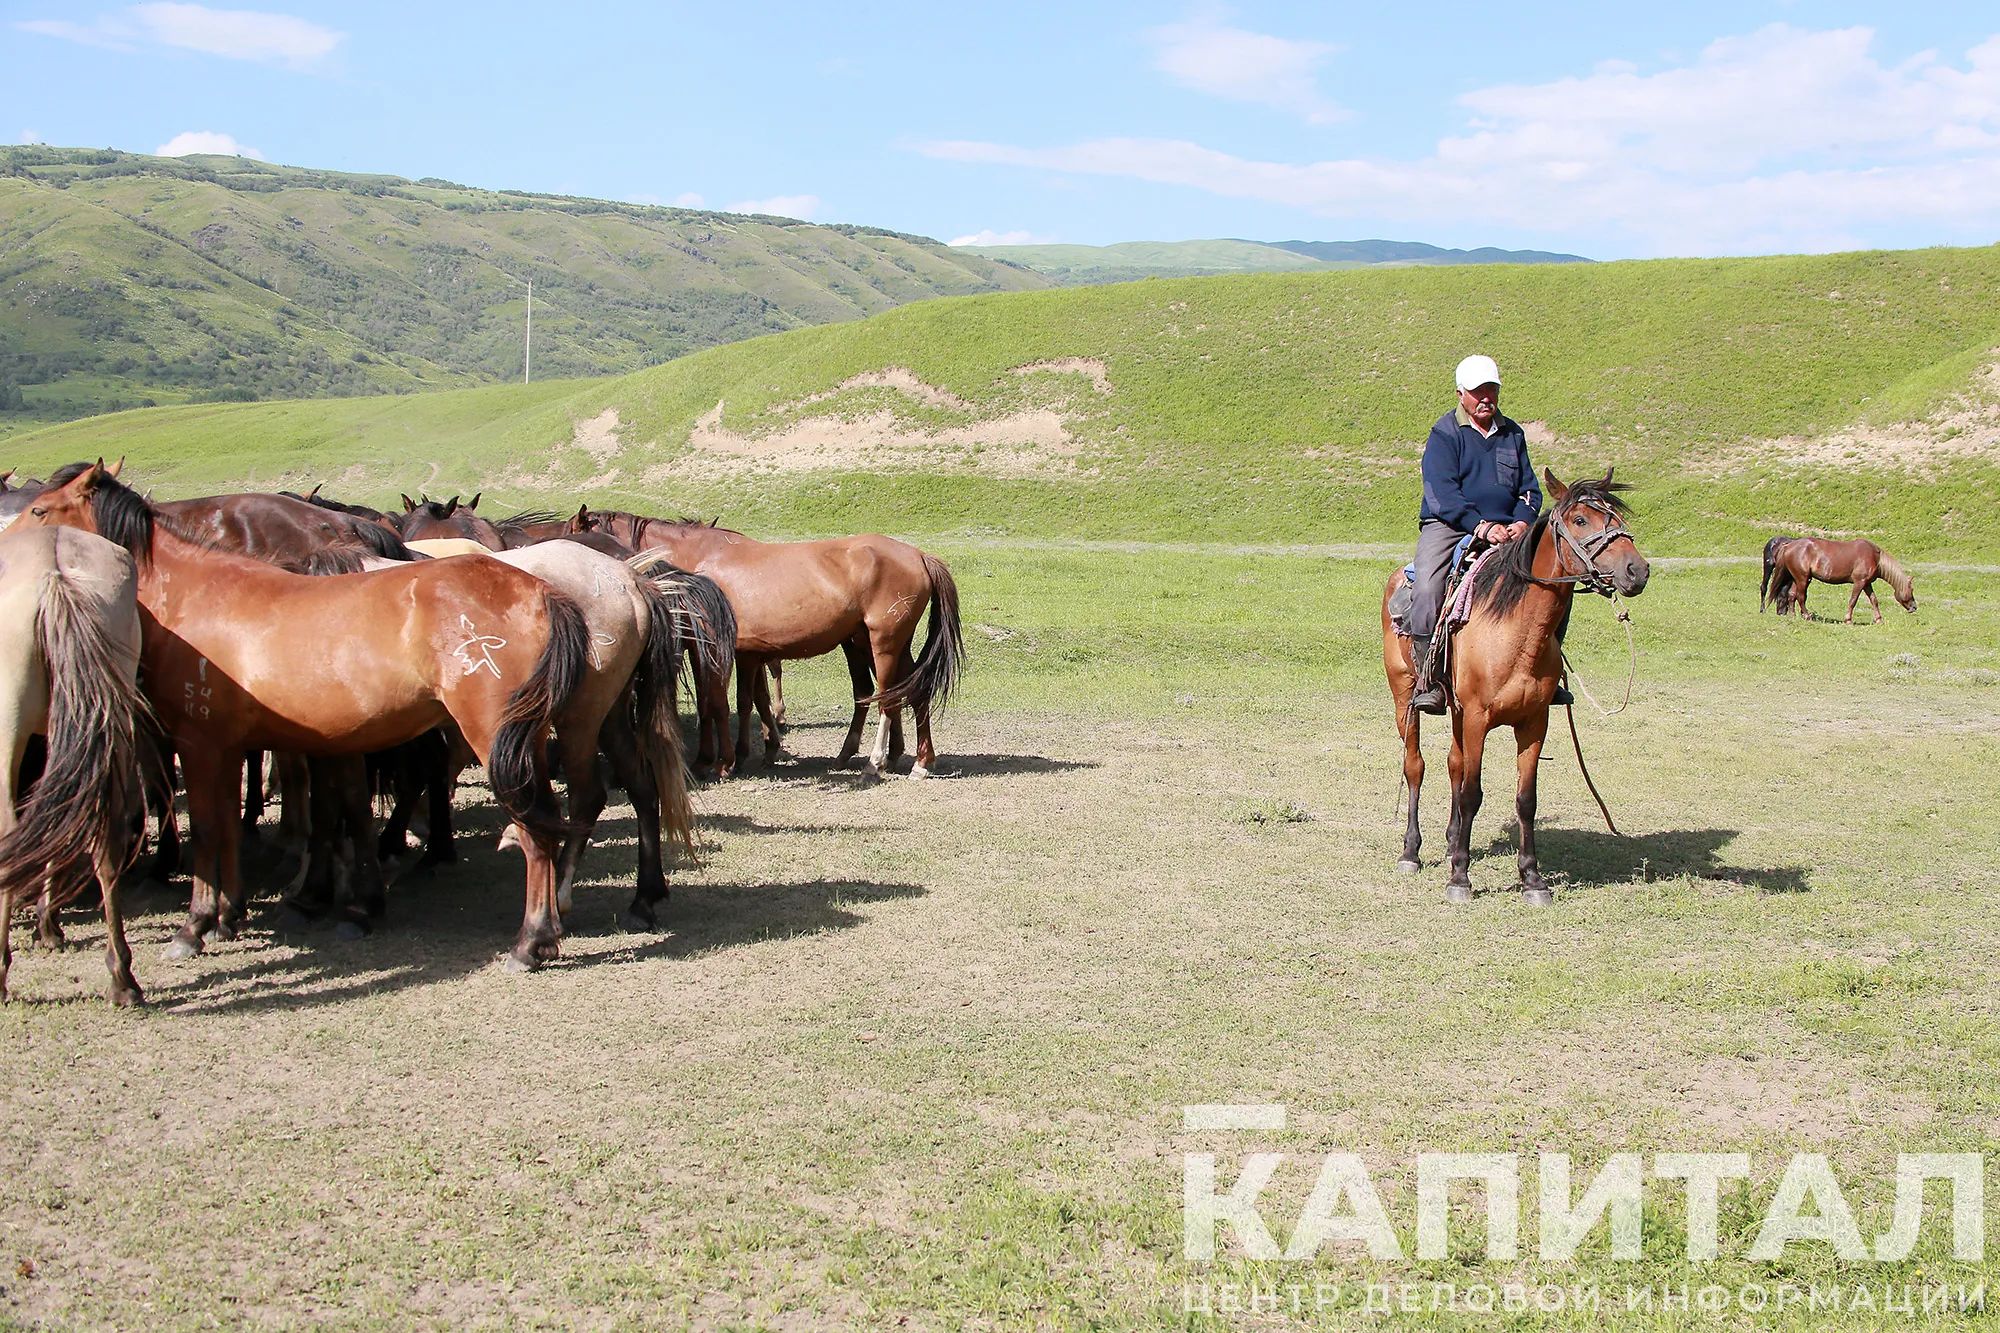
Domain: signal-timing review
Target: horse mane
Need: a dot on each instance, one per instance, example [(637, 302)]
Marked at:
[(515, 522), (1503, 581), (123, 516), (1898, 577)]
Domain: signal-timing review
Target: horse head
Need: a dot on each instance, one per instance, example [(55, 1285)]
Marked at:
[(1587, 520), (584, 521)]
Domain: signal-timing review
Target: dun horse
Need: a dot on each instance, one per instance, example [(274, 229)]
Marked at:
[(69, 662), (239, 655), (862, 595), (1791, 563), (1507, 660)]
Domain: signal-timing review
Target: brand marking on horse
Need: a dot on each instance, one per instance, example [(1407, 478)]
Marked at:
[(605, 640), (597, 585), (480, 644)]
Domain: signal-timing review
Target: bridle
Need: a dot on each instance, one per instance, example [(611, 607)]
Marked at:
[(1586, 551)]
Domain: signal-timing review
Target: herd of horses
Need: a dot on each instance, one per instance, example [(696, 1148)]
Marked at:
[(375, 653)]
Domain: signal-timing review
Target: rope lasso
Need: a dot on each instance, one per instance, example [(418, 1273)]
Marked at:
[(1569, 672)]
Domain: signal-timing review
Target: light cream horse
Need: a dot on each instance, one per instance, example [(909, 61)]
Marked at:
[(69, 665), (635, 649)]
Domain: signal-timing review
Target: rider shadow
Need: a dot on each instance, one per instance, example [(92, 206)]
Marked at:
[(820, 770), (1595, 858)]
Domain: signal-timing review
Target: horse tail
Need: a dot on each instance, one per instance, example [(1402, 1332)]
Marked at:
[(943, 658), (100, 730), (530, 711), (382, 542), (329, 560), (1770, 565), (659, 717), (709, 618)]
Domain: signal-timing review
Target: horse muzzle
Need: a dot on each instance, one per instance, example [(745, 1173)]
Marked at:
[(1630, 577)]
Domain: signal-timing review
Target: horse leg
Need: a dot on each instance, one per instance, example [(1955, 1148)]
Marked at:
[(862, 677), (159, 787), (1410, 723), (621, 747), (312, 892), (712, 702), (1869, 588), (253, 793), (745, 668), (905, 664), (357, 826), (761, 691), (777, 692), (1528, 738), (124, 991), (578, 746), (295, 817), (1853, 597), (435, 762), (211, 780), (887, 664), (1799, 597), (1468, 748)]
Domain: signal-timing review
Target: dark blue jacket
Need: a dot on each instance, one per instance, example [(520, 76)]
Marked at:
[(1470, 478)]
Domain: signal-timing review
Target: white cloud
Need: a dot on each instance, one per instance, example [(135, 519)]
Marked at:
[(235, 34), (801, 206), (1207, 55), (1781, 139), (690, 199), (31, 136), (991, 237), (205, 141)]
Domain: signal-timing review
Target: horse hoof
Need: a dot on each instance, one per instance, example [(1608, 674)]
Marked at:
[(919, 771), (219, 933), (179, 949), (1408, 866), (1458, 893), (349, 931), (127, 997), (1538, 897), (637, 922), (513, 962)]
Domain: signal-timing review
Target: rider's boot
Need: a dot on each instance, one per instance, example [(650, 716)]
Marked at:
[(1429, 696)]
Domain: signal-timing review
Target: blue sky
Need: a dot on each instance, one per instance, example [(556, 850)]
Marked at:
[(1612, 131)]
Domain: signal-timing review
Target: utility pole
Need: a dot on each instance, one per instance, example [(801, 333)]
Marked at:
[(528, 339)]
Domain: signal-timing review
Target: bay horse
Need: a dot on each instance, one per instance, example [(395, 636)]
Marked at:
[(861, 594), (69, 664), (1792, 563), (15, 494), (1507, 660), (426, 519), (241, 655)]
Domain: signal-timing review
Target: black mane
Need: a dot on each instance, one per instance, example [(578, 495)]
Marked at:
[(1506, 578), (123, 517)]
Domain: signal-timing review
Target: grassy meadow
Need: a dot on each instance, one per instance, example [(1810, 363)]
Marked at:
[(914, 1054)]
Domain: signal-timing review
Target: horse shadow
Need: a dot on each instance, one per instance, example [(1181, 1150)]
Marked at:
[(449, 923), (1596, 858), (820, 770)]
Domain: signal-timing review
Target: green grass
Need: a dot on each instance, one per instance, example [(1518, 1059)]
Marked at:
[(224, 273), (1281, 408), (917, 1052)]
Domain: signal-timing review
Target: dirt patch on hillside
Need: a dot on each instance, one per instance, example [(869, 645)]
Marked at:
[(598, 436), (1966, 427), (1035, 439)]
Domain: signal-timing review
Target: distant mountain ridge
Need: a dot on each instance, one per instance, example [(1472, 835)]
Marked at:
[(1085, 265), (126, 279)]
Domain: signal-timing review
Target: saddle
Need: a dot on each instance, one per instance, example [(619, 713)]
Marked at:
[(1457, 609)]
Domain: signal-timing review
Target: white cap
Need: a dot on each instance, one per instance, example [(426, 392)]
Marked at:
[(1475, 371)]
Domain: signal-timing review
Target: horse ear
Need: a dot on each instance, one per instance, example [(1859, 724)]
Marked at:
[(581, 523), (715, 522), (473, 503), (315, 490), (409, 505), (1555, 490), (115, 468), (452, 507), (6, 477)]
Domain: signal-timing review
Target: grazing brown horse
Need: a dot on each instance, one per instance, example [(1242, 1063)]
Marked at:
[(1507, 660), (69, 662), (1791, 563), (862, 595), (241, 655)]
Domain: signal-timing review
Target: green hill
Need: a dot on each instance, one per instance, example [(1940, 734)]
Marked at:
[(1844, 393), (126, 278), (1082, 265)]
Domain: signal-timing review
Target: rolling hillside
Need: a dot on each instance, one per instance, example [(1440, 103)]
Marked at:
[(1845, 393), (1083, 265), (126, 278)]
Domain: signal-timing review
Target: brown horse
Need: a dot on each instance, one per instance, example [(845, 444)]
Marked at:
[(241, 655), (1507, 660), (862, 595), (1791, 563)]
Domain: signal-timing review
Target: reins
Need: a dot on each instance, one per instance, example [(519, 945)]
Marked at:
[(1593, 580)]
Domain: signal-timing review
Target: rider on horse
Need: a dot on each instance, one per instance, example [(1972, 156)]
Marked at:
[(1477, 480)]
